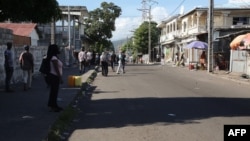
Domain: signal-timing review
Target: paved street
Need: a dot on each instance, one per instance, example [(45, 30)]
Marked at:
[(160, 103)]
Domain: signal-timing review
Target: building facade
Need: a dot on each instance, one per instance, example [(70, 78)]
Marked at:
[(180, 30)]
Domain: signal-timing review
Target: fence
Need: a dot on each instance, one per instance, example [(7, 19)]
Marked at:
[(238, 61)]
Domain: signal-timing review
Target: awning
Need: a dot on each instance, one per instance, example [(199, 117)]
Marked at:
[(233, 34), (240, 41), (168, 42)]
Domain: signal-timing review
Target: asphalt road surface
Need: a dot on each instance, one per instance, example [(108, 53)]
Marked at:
[(154, 103)]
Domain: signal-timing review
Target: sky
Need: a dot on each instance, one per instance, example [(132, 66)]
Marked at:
[(131, 16)]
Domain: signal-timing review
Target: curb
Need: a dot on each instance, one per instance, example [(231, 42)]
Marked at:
[(232, 78), (67, 115)]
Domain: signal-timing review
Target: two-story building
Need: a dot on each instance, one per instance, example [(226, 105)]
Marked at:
[(180, 30), (170, 33)]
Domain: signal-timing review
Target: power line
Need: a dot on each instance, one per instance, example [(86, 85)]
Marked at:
[(177, 8)]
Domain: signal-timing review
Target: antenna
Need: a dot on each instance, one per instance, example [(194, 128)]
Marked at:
[(182, 10)]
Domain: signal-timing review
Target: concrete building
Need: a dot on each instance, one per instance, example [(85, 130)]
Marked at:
[(23, 33), (180, 30)]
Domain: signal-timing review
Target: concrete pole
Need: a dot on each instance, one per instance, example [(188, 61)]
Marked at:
[(149, 35), (52, 32), (69, 38), (210, 37)]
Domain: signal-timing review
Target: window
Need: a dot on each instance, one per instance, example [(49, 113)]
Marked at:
[(184, 26), (241, 20)]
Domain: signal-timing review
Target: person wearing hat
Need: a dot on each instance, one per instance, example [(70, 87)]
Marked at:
[(26, 61)]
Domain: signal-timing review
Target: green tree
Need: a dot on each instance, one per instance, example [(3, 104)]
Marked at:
[(37, 11), (100, 24), (141, 39), (128, 46)]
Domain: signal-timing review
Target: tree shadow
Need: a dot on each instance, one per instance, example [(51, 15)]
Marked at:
[(106, 113)]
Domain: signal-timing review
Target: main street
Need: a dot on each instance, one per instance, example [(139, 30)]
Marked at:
[(150, 102)]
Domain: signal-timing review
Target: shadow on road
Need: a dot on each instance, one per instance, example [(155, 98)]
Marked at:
[(106, 113)]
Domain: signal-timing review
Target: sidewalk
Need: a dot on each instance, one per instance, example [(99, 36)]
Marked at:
[(25, 115), (233, 76)]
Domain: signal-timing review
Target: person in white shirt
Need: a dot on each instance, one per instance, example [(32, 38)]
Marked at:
[(82, 56), (104, 62), (89, 58), (121, 62)]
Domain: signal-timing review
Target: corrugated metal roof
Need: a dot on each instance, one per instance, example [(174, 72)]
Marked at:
[(21, 29)]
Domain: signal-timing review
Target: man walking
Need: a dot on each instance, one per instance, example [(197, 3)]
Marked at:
[(8, 66), (112, 61), (26, 61), (104, 62), (121, 62), (82, 60)]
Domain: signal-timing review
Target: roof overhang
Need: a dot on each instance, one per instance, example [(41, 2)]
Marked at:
[(232, 35)]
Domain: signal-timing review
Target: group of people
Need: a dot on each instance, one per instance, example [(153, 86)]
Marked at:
[(179, 60), (84, 59), (106, 59), (26, 61), (54, 77)]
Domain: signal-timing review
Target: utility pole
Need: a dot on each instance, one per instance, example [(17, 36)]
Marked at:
[(52, 31), (69, 38), (69, 27), (149, 34), (210, 37), (145, 10)]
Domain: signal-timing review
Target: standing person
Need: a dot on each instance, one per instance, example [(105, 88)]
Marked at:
[(162, 59), (89, 58), (104, 63), (82, 60), (182, 60), (176, 58), (55, 76), (112, 61), (203, 60), (158, 57), (97, 59), (26, 61), (8, 66), (121, 62)]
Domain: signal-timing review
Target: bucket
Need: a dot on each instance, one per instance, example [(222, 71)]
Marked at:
[(191, 66), (71, 81), (78, 81)]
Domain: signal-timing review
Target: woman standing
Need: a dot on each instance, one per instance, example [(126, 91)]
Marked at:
[(54, 77)]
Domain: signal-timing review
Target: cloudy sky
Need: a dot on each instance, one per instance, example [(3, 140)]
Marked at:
[(131, 16)]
